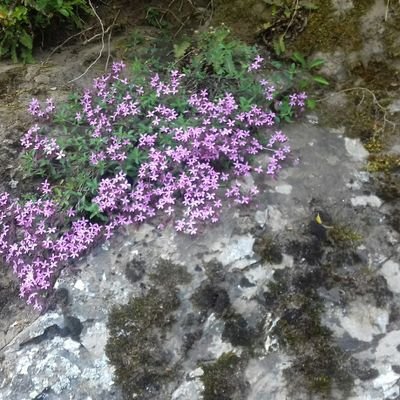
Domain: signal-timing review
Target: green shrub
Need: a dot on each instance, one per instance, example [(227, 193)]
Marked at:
[(21, 20)]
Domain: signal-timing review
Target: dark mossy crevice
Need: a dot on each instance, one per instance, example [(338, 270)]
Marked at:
[(367, 284), (325, 242), (215, 272), (308, 250), (134, 270), (239, 332), (211, 298), (391, 33), (318, 364), (135, 346), (223, 378), (328, 29), (321, 257), (386, 175), (138, 330), (378, 76), (268, 249), (169, 274), (394, 219), (387, 187)]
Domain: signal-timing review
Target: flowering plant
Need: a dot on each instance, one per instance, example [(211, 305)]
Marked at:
[(130, 150)]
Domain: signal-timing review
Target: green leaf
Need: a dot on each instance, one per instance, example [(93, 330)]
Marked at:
[(25, 39), (297, 57), (282, 43), (309, 5), (13, 52), (321, 80), (135, 156), (180, 49), (279, 45), (311, 104), (93, 208), (276, 64), (229, 65), (64, 12), (316, 63)]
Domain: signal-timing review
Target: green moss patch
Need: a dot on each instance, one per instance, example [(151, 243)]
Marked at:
[(344, 236), (383, 163), (137, 333), (222, 379), (268, 249), (135, 347), (392, 30), (328, 30), (318, 364), (169, 274)]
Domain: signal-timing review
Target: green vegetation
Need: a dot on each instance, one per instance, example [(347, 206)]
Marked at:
[(383, 163), (391, 34), (268, 249), (220, 378), (318, 363), (328, 29), (213, 60), (135, 344), (168, 274), (21, 20), (344, 236), (137, 333)]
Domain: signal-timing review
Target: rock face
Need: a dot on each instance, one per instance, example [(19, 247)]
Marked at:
[(223, 284), (296, 295)]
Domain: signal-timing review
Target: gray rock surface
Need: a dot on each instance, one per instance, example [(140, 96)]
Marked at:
[(360, 293), (79, 369)]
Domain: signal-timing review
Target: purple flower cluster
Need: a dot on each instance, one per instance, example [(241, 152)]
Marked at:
[(36, 110), (32, 244), (297, 99), (256, 64), (188, 172), (44, 147), (188, 168)]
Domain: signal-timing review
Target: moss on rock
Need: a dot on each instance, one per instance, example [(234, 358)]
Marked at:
[(327, 29), (268, 249), (222, 379), (318, 363), (137, 330), (135, 344)]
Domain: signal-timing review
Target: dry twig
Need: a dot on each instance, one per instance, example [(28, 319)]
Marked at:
[(296, 7), (102, 45), (66, 41), (109, 41), (364, 90)]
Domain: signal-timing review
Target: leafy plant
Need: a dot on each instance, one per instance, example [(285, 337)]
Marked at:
[(309, 66), (287, 7), (155, 17), (170, 144), (220, 54), (279, 45), (21, 20), (296, 75)]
